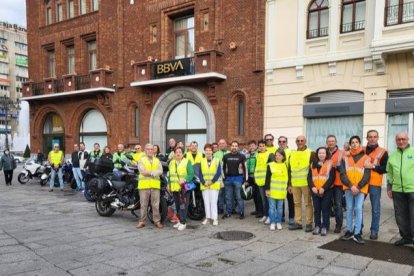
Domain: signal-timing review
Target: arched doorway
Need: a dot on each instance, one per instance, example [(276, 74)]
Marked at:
[(187, 123), (53, 132), (93, 129)]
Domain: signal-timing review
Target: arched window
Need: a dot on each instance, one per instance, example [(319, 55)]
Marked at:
[(318, 18), (353, 15), (136, 122), (53, 132), (240, 116), (399, 12), (93, 129)]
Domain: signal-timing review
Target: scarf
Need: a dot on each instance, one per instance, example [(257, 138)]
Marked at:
[(355, 151)]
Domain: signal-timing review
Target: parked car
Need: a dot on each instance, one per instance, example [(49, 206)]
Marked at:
[(19, 159)]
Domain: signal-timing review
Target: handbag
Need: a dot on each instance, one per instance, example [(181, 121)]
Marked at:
[(187, 186)]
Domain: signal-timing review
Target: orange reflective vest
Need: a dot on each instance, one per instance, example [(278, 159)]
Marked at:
[(375, 158), (355, 171), (319, 178), (337, 159)]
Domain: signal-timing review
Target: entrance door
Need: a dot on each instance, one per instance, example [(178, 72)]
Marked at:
[(53, 133), (187, 123), (93, 129)]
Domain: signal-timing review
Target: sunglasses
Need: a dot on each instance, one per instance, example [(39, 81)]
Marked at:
[(269, 139), (300, 140), (281, 141)]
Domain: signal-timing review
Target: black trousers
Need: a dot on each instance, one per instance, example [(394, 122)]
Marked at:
[(404, 214), (291, 206), (8, 176), (258, 206)]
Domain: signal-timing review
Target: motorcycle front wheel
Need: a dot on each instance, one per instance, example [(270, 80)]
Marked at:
[(43, 182), (196, 212), (22, 178), (163, 210), (73, 184), (103, 208)]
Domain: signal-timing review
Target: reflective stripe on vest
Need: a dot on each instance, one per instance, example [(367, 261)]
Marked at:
[(337, 161), (197, 160), (147, 182), (355, 171), (299, 167), (209, 172), (261, 167), (278, 180), (319, 178), (56, 157), (177, 173), (375, 157)]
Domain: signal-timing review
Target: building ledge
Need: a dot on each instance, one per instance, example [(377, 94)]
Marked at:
[(180, 80), (68, 94)]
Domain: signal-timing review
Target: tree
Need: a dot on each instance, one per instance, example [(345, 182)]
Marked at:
[(26, 153)]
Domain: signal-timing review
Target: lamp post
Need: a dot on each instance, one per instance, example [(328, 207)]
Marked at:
[(7, 104)]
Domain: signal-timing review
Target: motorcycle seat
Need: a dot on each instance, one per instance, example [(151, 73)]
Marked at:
[(118, 185)]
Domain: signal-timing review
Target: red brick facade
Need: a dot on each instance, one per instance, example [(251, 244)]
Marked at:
[(125, 36)]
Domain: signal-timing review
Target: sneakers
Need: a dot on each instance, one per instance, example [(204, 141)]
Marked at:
[(182, 227), (263, 219), (295, 226), (215, 222), (348, 235), (175, 219), (338, 229), (225, 216), (324, 231), (308, 228), (205, 221), (316, 230), (177, 225), (358, 239), (267, 221), (50, 190), (373, 236), (272, 227), (278, 226)]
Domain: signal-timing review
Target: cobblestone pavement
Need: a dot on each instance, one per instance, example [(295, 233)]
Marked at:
[(60, 233)]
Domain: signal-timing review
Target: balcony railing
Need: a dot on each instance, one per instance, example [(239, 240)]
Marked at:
[(399, 14), (95, 79), (321, 32), (352, 27)]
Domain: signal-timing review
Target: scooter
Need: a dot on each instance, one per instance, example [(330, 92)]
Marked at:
[(31, 170)]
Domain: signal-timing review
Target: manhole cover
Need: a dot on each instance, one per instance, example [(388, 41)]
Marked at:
[(233, 235)]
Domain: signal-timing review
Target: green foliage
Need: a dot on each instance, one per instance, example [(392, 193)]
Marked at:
[(26, 153)]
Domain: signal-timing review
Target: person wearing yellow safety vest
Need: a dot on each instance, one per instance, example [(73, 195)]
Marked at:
[(269, 138), (209, 175), (276, 188), (194, 155), (149, 186), (222, 150), (321, 177), (180, 172), (378, 167), (282, 142), (56, 159), (137, 154), (355, 177), (299, 163), (338, 191), (263, 157)]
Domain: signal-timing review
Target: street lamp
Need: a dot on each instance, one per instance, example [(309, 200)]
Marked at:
[(7, 104)]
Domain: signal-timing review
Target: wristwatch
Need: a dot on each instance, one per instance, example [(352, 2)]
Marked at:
[(373, 166)]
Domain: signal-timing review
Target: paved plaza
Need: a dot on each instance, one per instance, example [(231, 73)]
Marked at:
[(60, 233)]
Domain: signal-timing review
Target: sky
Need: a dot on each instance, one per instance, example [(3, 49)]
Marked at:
[(13, 11)]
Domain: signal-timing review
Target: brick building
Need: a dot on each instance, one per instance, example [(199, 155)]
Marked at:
[(125, 71)]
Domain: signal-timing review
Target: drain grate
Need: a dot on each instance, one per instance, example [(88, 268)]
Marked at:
[(233, 235), (377, 250)]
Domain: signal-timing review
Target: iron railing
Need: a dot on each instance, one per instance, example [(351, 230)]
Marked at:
[(82, 82), (38, 88), (352, 27), (321, 32), (399, 14)]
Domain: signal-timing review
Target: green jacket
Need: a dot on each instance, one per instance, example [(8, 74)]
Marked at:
[(220, 154), (118, 159), (400, 170), (251, 162)]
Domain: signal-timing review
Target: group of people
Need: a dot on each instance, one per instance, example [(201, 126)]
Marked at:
[(276, 174)]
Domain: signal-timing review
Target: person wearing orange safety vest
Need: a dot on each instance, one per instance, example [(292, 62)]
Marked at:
[(378, 167), (355, 177), (320, 181), (338, 191)]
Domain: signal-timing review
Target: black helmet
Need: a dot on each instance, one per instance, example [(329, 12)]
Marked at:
[(246, 192)]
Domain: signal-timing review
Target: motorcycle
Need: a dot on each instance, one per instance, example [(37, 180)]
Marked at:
[(31, 170)]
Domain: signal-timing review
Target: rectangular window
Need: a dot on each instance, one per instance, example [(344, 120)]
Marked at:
[(353, 16), (399, 12), (21, 46), (184, 37), (94, 5), (399, 123), (59, 12), (240, 108), (92, 55), (153, 33), (82, 7), (71, 59), (51, 63), (21, 60), (71, 9), (136, 122), (48, 16)]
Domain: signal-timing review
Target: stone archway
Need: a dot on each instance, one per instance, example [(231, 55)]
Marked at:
[(166, 103)]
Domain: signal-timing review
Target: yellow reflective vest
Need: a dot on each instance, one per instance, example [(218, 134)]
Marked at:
[(177, 173), (149, 182), (278, 180), (209, 172), (137, 156), (56, 157), (197, 160), (261, 167), (271, 149), (299, 163)]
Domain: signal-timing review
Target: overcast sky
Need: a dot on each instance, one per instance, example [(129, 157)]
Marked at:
[(13, 11)]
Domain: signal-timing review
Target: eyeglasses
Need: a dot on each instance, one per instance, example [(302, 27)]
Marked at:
[(282, 141), (401, 139), (269, 139), (300, 140)]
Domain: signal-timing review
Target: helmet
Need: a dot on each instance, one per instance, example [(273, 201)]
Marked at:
[(246, 192)]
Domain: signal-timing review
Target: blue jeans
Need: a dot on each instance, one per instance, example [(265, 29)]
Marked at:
[(182, 206), (322, 205), (354, 204), (233, 188), (77, 174), (338, 194), (375, 198), (265, 203), (275, 210), (52, 178)]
